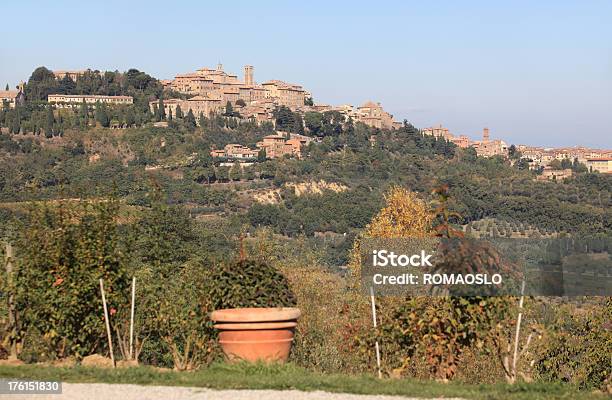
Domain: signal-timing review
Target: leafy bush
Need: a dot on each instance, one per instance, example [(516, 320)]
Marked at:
[(324, 337), (249, 283), (578, 348), (174, 324), (62, 252), (440, 330)]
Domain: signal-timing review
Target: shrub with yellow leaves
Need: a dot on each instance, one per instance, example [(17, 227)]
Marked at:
[(404, 215)]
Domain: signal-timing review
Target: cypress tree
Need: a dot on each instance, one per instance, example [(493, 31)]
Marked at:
[(15, 126), (49, 121), (160, 110), (130, 117), (190, 120), (229, 110), (202, 119), (102, 115), (84, 114)]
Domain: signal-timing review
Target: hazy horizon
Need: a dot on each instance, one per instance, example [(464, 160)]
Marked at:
[(537, 74)]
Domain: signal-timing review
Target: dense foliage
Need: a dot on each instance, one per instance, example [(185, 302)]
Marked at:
[(63, 252), (248, 283)]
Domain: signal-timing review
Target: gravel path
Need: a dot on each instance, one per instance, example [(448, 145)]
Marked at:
[(104, 391)]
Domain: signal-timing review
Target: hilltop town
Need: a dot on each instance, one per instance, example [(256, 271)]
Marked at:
[(538, 157), (207, 92)]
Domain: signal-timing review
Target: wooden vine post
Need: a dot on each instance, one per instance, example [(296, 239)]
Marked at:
[(12, 311), (108, 331)]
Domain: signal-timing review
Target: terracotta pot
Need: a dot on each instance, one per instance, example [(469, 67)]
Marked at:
[(256, 334)]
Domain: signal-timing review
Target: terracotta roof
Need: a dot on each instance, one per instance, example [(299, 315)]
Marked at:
[(189, 75), (8, 93), (202, 98), (90, 96), (370, 104)]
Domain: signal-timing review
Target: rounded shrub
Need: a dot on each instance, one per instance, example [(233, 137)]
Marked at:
[(248, 283)]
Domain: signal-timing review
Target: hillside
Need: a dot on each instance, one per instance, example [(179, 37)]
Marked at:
[(335, 187)]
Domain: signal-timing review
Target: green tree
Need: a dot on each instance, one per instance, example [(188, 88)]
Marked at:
[(261, 155), (222, 174), (83, 114), (178, 113), (101, 115), (285, 119), (202, 120), (248, 173), (229, 110), (15, 126), (190, 121), (130, 117), (578, 167), (513, 153), (164, 233), (555, 164), (522, 164), (49, 121), (161, 111), (566, 163), (235, 173), (66, 85), (298, 124), (42, 83)]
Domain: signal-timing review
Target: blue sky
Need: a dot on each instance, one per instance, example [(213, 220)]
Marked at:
[(534, 72)]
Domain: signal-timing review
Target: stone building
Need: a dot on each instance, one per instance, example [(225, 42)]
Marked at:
[(462, 141), (71, 100), (218, 83), (192, 84), (489, 148), (258, 110), (13, 97), (285, 94), (438, 131), (8, 97), (485, 147), (278, 146), (235, 151), (74, 75), (549, 174), (372, 114), (602, 165)]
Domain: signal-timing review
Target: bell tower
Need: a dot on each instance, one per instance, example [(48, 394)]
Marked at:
[(485, 135), (248, 75)]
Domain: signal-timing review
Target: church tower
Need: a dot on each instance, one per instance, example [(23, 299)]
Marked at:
[(485, 135), (248, 75)]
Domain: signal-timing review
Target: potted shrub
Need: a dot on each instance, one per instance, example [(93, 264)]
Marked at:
[(255, 311)]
